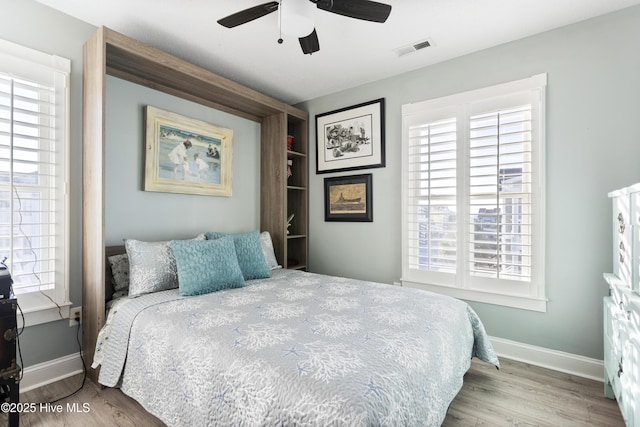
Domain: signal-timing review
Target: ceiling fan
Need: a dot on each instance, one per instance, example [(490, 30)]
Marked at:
[(298, 15)]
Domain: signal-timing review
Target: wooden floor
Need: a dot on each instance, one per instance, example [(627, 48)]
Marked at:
[(516, 395), (524, 395)]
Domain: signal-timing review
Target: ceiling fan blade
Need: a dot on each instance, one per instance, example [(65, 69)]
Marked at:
[(310, 43), (366, 10), (248, 15)]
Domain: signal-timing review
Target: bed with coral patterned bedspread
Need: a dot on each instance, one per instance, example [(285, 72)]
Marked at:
[(294, 349)]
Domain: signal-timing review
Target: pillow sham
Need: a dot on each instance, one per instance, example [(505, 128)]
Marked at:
[(249, 253), (152, 267), (268, 251), (207, 266)]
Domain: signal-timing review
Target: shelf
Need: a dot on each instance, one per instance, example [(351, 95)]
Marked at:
[(295, 187), (295, 153), (297, 251)]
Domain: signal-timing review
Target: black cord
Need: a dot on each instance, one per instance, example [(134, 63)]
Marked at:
[(18, 339), (35, 255), (84, 367)]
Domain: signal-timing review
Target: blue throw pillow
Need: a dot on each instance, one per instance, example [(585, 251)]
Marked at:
[(206, 266), (249, 251)]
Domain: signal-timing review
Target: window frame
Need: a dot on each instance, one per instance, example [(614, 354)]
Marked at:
[(31, 65), (463, 106)]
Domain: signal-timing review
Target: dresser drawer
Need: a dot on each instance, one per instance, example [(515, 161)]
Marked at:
[(635, 257), (635, 208), (630, 378), (612, 347), (618, 293), (634, 314), (629, 399), (622, 239), (614, 324), (635, 239), (622, 253), (621, 209)]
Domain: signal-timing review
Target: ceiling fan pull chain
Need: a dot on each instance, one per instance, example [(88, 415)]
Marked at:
[(280, 22)]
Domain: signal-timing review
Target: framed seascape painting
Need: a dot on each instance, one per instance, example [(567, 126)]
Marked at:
[(186, 155), (351, 138), (348, 198)]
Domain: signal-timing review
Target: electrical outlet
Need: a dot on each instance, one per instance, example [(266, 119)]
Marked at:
[(73, 314)]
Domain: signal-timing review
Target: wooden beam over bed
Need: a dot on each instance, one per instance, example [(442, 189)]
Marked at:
[(108, 52)]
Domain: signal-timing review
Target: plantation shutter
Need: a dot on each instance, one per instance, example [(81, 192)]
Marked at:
[(473, 194), (33, 168), (500, 219), (432, 234)]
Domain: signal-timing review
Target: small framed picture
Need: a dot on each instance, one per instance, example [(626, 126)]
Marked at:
[(348, 198), (351, 138)]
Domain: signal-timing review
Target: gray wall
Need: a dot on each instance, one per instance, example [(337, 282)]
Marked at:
[(593, 147), (33, 25), (133, 213)]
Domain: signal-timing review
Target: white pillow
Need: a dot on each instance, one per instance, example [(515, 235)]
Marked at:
[(152, 266), (268, 251)]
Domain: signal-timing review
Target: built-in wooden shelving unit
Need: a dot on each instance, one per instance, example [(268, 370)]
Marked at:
[(111, 53)]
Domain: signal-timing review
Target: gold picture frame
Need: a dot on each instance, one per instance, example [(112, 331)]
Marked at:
[(186, 155), (349, 198)]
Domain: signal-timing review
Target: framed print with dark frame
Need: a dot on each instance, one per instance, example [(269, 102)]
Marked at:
[(348, 198), (351, 138), (186, 155)]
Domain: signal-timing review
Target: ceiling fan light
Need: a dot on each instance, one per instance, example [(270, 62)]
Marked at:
[(296, 17)]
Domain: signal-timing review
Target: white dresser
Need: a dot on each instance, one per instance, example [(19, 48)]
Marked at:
[(622, 307)]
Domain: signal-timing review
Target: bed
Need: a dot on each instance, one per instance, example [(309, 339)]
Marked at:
[(290, 348)]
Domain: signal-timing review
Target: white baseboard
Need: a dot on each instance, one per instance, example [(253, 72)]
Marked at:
[(51, 371), (552, 359)]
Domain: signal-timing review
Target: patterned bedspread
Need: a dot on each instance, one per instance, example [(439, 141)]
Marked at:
[(296, 349)]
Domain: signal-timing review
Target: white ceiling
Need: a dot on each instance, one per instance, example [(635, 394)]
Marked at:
[(352, 52)]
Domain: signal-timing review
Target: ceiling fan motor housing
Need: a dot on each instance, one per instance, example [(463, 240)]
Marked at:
[(296, 17)]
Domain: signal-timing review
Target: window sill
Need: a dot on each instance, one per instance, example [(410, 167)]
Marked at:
[(38, 309), (513, 301)]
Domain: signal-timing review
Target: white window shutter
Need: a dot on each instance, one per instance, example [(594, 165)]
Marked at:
[(432, 163), (500, 194), (34, 124), (473, 194)]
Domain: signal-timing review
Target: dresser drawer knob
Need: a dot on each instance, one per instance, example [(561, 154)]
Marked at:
[(621, 222)]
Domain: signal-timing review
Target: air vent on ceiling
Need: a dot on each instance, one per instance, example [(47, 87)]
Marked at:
[(413, 47)]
